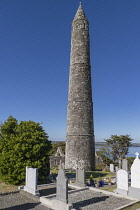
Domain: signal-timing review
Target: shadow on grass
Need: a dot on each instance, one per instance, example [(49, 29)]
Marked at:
[(88, 202)]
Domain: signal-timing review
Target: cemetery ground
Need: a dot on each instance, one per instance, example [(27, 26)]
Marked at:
[(4, 188), (98, 199)]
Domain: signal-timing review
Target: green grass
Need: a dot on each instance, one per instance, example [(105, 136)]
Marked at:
[(7, 187), (98, 174), (110, 189), (132, 207)]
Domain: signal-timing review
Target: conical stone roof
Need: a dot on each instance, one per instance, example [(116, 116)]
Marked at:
[(80, 13)]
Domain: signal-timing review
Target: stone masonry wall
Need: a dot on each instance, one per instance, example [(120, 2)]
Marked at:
[(80, 146)]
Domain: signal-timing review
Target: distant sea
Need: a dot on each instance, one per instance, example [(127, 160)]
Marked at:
[(132, 151)]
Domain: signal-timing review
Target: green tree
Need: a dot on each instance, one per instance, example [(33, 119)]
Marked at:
[(119, 146), (105, 154), (130, 162), (21, 145)]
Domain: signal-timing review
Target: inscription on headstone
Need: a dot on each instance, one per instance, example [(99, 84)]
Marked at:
[(62, 187)]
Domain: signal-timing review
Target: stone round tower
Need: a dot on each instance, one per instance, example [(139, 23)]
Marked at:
[(80, 145)]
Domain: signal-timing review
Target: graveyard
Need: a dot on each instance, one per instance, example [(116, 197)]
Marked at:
[(78, 190), (75, 177)]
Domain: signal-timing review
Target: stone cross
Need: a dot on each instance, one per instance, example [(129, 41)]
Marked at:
[(137, 154), (62, 187)]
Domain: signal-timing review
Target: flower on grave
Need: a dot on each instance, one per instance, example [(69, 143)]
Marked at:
[(91, 177)]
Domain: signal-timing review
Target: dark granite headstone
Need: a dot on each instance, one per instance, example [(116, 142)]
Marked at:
[(62, 187)]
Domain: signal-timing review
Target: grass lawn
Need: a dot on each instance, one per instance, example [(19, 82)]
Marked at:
[(96, 174), (133, 207), (7, 187), (110, 189)]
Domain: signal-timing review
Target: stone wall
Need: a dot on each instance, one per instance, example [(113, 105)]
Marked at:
[(80, 143)]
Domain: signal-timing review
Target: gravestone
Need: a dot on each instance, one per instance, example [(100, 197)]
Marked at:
[(135, 172), (62, 187), (120, 164), (134, 190), (31, 181), (80, 177), (60, 164), (122, 182), (125, 164), (116, 168), (63, 166), (111, 167)]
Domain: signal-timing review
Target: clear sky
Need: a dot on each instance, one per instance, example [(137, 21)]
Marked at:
[(35, 40)]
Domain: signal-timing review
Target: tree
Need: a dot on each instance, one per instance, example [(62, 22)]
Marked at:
[(105, 154), (21, 145), (119, 146)]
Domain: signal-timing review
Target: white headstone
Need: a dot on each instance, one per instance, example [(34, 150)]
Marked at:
[(135, 172), (125, 164), (111, 167), (31, 180), (122, 179)]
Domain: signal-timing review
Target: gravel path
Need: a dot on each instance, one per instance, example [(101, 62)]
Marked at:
[(89, 200), (18, 201), (82, 200)]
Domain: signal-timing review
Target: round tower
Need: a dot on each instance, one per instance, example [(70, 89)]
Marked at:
[(80, 145)]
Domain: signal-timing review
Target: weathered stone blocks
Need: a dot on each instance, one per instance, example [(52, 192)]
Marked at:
[(80, 146)]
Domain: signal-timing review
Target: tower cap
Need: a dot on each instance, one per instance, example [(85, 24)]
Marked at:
[(80, 13)]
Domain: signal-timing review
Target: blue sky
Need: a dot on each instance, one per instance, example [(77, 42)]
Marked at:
[(35, 40)]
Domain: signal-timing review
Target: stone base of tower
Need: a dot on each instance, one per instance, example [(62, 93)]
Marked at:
[(80, 152)]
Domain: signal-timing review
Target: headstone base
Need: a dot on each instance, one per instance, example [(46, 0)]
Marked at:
[(55, 204), (59, 205), (134, 192), (33, 192), (78, 184), (121, 191)]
